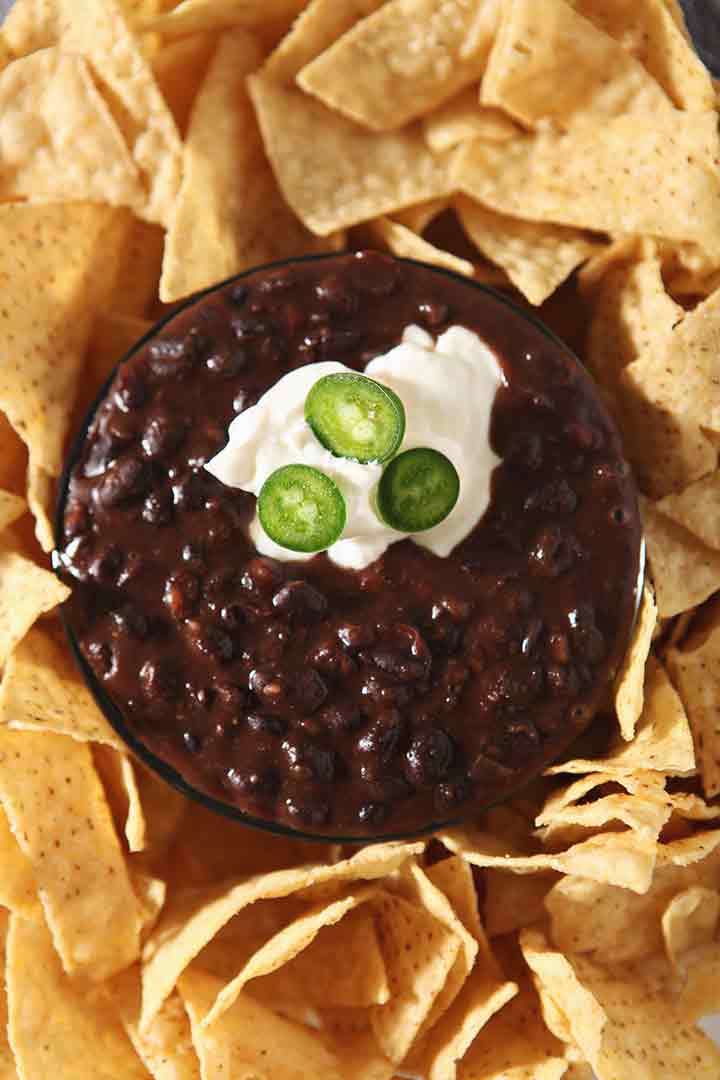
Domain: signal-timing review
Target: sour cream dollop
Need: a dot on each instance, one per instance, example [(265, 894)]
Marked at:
[(448, 388)]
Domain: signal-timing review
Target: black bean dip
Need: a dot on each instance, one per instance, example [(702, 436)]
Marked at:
[(417, 691)]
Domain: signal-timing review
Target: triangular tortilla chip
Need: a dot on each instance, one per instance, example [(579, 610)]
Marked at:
[(58, 140), (12, 507), (26, 592), (407, 244), (166, 1049), (463, 117), (684, 571), (695, 669), (697, 509), (193, 16), (179, 68), (550, 63), (515, 1045), (631, 677)]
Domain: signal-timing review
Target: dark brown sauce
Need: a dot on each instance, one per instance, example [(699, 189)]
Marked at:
[(416, 691)]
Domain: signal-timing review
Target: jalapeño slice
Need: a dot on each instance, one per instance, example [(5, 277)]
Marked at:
[(418, 490), (355, 417), (301, 508)]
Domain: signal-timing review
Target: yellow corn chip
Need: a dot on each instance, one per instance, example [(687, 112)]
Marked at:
[(695, 669), (18, 889), (5, 52), (550, 63), (631, 313), (420, 954), (643, 809), (31, 25), (454, 877), (55, 1028), (402, 241), (662, 740), (51, 276), (250, 1040), (42, 691), (135, 288), (463, 117), (58, 140), (282, 948), (623, 859), (689, 921), (192, 918), (696, 509), (481, 998), (98, 30), (41, 503), (684, 571), (657, 37), (397, 63), (319, 24), (418, 217), (193, 16), (166, 1048), (515, 1045), (26, 592), (179, 69), (117, 773), (320, 161), (513, 900), (12, 507), (700, 995), (631, 677), (112, 337), (697, 848), (621, 1025), (537, 258), (57, 810), (668, 186), (13, 459), (314, 976), (8, 1070), (229, 214)]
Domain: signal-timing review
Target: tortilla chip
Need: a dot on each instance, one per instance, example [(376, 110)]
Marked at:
[(420, 954), (179, 68), (117, 773), (13, 459), (42, 691), (696, 509), (700, 996), (251, 1041), (621, 1025), (454, 877), (421, 890), (151, 893), (631, 313), (97, 29), (662, 740), (320, 161), (58, 140), (689, 921), (623, 859), (31, 25), (55, 1028), (684, 571), (112, 337), (537, 258), (550, 63), (57, 810), (314, 976), (397, 63), (41, 503), (644, 808), (12, 507), (282, 948), (405, 243), (463, 117), (196, 16), (51, 275), (699, 847), (166, 1048), (656, 35), (513, 900), (18, 888), (667, 188), (135, 288), (26, 592), (229, 215), (515, 1045), (695, 669), (193, 917), (630, 679), (418, 217)]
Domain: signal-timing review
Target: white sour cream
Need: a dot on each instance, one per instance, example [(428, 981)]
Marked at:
[(447, 387)]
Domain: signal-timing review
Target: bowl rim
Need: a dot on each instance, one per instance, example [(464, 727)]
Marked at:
[(111, 711)]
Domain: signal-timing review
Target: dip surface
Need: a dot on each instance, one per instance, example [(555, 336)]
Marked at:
[(415, 691)]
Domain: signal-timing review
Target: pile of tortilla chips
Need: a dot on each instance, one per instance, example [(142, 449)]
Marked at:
[(149, 148)]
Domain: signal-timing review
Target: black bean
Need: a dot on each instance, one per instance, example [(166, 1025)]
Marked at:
[(210, 640), (191, 742), (382, 691), (395, 663), (158, 508), (254, 781), (374, 273), (307, 807), (182, 591), (266, 725), (193, 557), (227, 363), (262, 575), (329, 658), (121, 428), (276, 281), (553, 552), (433, 314), (373, 813), (451, 794), (77, 519), (105, 566), (383, 736), (356, 635), (130, 389), (299, 598), (333, 291), (125, 481), (429, 758), (238, 295), (129, 620), (248, 329), (100, 656), (163, 434), (231, 697), (311, 691), (341, 719), (271, 689), (171, 358), (562, 680), (160, 680), (188, 492), (555, 497), (524, 449)]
